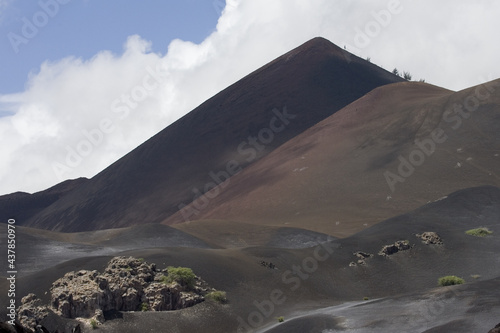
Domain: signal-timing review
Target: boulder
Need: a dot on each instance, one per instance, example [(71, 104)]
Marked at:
[(496, 329), (31, 311), (430, 237), (391, 249), (362, 256)]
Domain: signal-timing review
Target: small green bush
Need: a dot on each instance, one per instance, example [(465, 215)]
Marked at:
[(164, 279), (93, 324), (450, 280), (281, 319), (479, 232), (182, 275), (475, 276), (144, 307), (365, 298), (218, 296)]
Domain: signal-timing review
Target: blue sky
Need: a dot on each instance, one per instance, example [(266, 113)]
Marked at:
[(82, 28), (65, 107)]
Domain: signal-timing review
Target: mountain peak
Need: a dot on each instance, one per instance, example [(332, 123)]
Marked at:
[(213, 141), (315, 48)]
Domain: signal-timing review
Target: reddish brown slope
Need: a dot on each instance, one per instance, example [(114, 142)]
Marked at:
[(332, 177), (148, 185)]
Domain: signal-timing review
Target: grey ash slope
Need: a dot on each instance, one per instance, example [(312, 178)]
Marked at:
[(147, 185), (315, 305), (460, 309), (40, 249)]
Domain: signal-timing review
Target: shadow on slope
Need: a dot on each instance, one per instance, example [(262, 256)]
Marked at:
[(230, 234)]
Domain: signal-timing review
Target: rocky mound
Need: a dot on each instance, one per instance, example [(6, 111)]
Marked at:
[(362, 256), (127, 284), (398, 246), (430, 237), (31, 312)]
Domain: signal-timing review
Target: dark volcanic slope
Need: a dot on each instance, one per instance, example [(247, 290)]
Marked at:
[(332, 177), (41, 249), (22, 206), (313, 295), (312, 81)]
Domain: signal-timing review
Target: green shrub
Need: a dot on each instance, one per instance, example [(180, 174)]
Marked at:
[(93, 324), (365, 298), (281, 319), (479, 232), (164, 279), (182, 275), (218, 296), (450, 280), (475, 276), (144, 307)]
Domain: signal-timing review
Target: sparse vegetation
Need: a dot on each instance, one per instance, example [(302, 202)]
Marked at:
[(479, 232), (281, 319), (395, 72), (475, 276), (93, 324), (450, 280), (365, 298), (144, 307), (407, 76), (217, 296), (368, 59), (182, 275), (164, 279)]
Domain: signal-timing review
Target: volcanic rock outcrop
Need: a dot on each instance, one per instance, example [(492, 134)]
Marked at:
[(496, 329), (398, 246), (430, 237), (31, 311), (362, 256), (127, 284)]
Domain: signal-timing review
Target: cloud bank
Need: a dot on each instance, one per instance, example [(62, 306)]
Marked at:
[(77, 116)]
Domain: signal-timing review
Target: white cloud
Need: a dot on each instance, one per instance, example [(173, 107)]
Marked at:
[(449, 43)]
